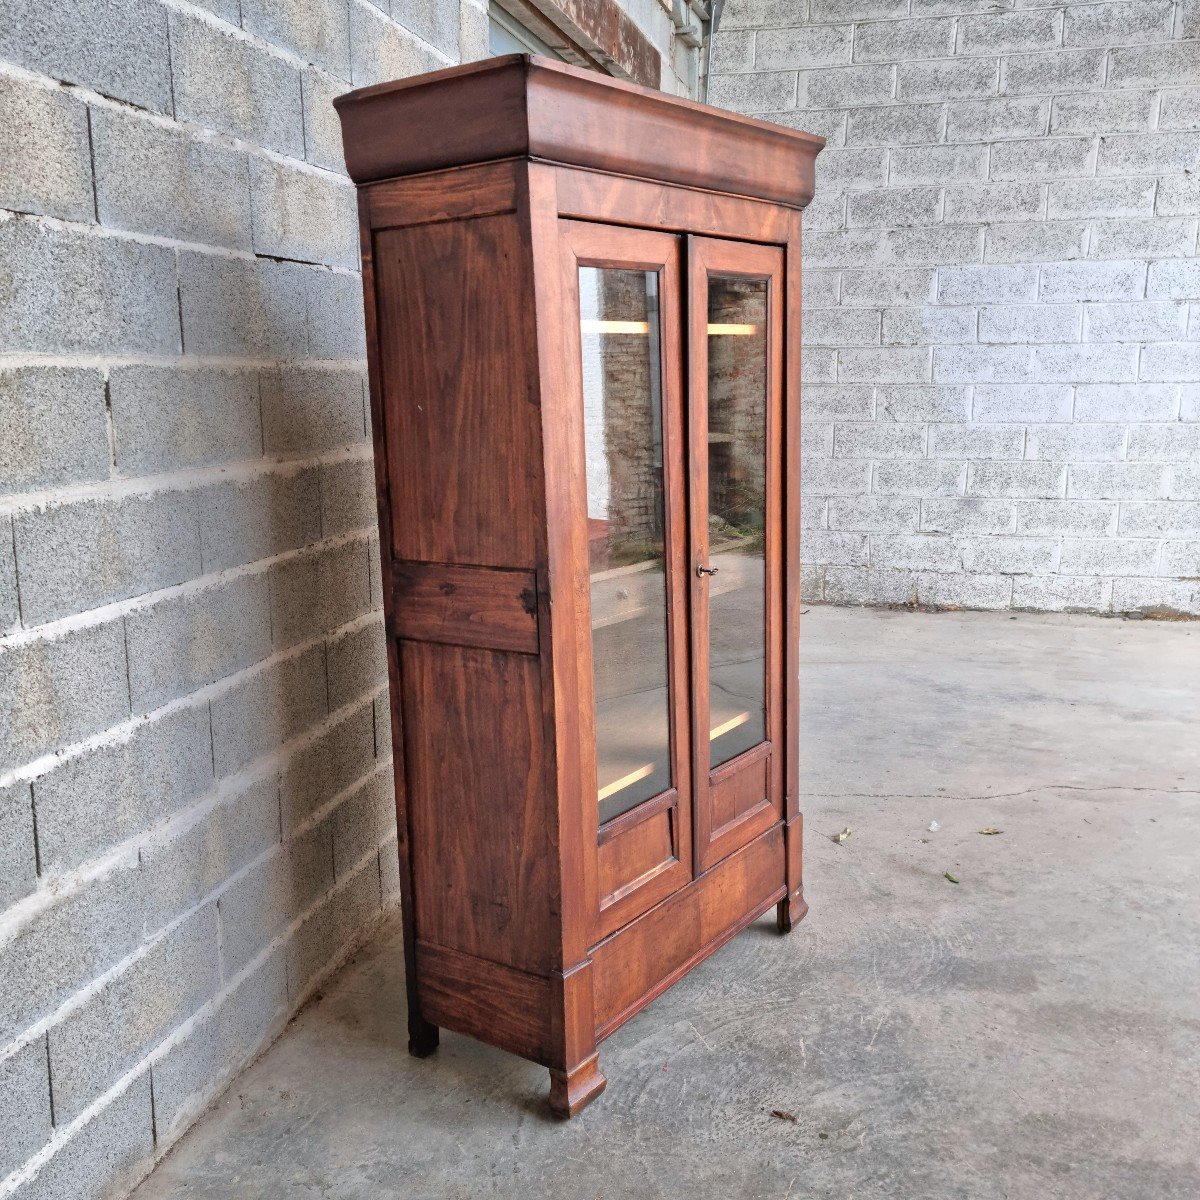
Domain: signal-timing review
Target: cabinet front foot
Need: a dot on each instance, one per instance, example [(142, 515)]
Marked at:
[(422, 1038), (572, 1091), (790, 912)]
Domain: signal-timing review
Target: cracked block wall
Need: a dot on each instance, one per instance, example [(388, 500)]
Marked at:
[(1002, 297)]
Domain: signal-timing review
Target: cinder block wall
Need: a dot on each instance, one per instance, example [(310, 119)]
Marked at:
[(196, 815), (1002, 334)]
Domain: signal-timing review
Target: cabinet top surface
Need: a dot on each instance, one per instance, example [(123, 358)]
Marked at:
[(525, 106)]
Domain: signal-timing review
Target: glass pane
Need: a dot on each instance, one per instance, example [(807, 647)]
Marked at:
[(737, 504), (626, 555)]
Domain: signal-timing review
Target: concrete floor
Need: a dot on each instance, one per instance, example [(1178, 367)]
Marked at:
[(1031, 1032)]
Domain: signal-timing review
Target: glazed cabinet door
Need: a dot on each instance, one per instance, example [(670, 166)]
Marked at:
[(735, 376), (625, 353)]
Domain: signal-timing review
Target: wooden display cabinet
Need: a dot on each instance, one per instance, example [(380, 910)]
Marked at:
[(583, 315)]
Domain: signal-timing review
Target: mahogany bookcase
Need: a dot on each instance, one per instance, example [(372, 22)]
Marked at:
[(583, 314)]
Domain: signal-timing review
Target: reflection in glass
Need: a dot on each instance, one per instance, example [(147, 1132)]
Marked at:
[(624, 455), (737, 504)]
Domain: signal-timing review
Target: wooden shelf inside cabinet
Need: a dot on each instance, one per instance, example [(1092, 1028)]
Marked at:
[(582, 312)]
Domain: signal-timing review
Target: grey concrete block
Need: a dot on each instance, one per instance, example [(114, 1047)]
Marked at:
[(1154, 66), (307, 409), (1084, 364), (1019, 324), (994, 202), (1023, 480), (895, 125), (1170, 281), (117, 47), (106, 1157), (18, 854), (757, 14), (857, 585), (116, 1027), (1103, 112), (1058, 593), (1180, 558), (834, 549), (1009, 555), (357, 663), (874, 514), (326, 765), (317, 30), (315, 592), (841, 327), (186, 641), (327, 936), (389, 872), (824, 477), (382, 712), (79, 293), (197, 1068), (232, 86), (272, 894), (1180, 109), (242, 308), (1101, 198), (853, 402), (948, 79), (66, 945), (269, 707), (803, 47), (322, 129), (433, 21), (1165, 443), (1010, 33), (891, 207), (928, 326), (876, 287), (380, 51), (885, 439), (884, 364), (54, 691), (1093, 281), (914, 552), (52, 427), (99, 798), (898, 403), (980, 364), (971, 514), (1021, 402), (375, 570), (903, 41), (1109, 556), (1149, 321), (986, 120), (976, 441), (301, 214), (1158, 596), (835, 87), (1076, 443), (1042, 158), (1169, 519), (24, 1105), (1057, 517), (250, 519), (1148, 153), (1116, 481), (73, 557), (167, 418), (977, 284), (919, 478), (10, 609), (764, 92), (1054, 241), (1164, 237), (1180, 195), (981, 592), (1118, 24), (362, 821), (348, 496), (152, 179), (1184, 482), (334, 305), (1054, 73), (855, 167), (182, 868), (44, 157), (733, 53)]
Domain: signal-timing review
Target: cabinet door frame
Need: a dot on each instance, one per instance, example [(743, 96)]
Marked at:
[(713, 840), (629, 878)]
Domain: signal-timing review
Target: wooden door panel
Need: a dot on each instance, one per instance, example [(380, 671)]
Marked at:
[(735, 373)]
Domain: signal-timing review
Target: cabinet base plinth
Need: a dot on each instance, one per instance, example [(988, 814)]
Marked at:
[(572, 1091), (790, 911), (422, 1038)]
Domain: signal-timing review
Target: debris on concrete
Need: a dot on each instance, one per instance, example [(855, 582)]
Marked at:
[(990, 831), (953, 878), (934, 827), (841, 837)]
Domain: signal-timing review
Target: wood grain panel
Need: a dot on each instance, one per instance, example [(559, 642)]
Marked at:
[(486, 1000), (739, 787), (642, 960), (460, 396), (477, 802), (465, 606), (479, 191)]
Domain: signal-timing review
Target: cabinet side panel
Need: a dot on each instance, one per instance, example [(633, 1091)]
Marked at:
[(478, 811), (460, 393)]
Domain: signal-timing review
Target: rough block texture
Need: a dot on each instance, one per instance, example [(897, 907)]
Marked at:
[(196, 805), (1003, 294)]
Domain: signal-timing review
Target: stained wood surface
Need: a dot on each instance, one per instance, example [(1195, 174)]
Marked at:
[(521, 105), (488, 607), (481, 191)]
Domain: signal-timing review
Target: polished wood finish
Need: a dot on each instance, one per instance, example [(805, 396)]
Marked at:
[(482, 191)]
